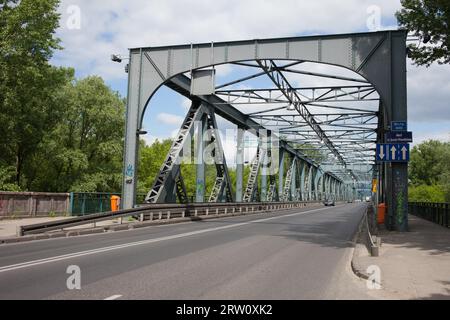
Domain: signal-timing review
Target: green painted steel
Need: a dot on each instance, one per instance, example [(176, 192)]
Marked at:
[(85, 203), (435, 212)]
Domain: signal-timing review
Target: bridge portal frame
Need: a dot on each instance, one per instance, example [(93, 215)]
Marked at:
[(379, 57)]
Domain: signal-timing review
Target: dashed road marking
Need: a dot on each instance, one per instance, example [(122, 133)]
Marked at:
[(114, 297)]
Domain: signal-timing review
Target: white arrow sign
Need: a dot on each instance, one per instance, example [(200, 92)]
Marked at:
[(381, 152), (393, 150), (404, 149)]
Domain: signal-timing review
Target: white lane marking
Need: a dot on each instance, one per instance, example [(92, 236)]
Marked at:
[(114, 297), (138, 243)]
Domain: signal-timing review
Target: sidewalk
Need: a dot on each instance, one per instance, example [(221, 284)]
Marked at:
[(414, 264), (8, 227)]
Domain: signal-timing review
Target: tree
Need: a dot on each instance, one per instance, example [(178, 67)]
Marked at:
[(429, 162), (7, 174), (425, 193), (429, 172), (430, 20), (83, 153), (29, 85)]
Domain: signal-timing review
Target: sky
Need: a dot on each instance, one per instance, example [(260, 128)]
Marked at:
[(93, 30)]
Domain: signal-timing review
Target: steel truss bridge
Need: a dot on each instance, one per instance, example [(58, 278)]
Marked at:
[(320, 138)]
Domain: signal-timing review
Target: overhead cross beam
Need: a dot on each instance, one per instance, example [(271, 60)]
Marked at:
[(292, 96)]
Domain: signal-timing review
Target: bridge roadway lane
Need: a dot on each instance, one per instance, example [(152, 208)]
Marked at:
[(295, 254)]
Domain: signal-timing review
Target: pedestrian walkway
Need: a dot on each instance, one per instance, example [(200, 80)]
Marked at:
[(8, 228), (414, 264)]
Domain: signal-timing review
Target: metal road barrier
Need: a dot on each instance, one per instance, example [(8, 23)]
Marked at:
[(151, 212), (435, 212)]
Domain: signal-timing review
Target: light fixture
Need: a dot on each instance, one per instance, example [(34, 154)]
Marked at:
[(116, 58)]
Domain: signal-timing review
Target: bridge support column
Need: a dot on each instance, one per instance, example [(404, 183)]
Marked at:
[(302, 181), (310, 184), (240, 164), (294, 179), (265, 143), (281, 173), (397, 173), (200, 161)]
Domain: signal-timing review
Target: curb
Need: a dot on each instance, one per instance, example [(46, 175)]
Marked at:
[(356, 268)]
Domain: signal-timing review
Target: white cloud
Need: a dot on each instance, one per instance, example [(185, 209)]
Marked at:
[(174, 133), (425, 135), (114, 26), (429, 93), (150, 139), (170, 119), (186, 103)]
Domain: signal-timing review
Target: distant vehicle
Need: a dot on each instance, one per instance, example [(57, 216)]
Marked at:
[(367, 199), (358, 200), (329, 202)]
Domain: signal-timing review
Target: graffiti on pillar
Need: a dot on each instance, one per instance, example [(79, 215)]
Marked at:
[(129, 173), (399, 209), (200, 186), (399, 203)]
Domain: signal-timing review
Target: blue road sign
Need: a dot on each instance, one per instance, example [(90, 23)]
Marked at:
[(398, 136), (399, 126), (392, 152)]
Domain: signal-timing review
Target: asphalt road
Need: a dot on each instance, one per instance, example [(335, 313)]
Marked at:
[(296, 254)]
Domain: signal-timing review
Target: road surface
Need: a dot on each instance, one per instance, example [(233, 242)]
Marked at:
[(294, 254)]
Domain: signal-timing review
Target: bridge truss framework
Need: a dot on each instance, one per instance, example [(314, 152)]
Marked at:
[(346, 134)]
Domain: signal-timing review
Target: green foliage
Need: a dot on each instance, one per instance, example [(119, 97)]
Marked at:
[(84, 151), (425, 193), (427, 18), (311, 151), (29, 101), (150, 161), (429, 172), (430, 163), (7, 174)]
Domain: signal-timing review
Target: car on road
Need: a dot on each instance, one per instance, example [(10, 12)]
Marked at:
[(329, 202)]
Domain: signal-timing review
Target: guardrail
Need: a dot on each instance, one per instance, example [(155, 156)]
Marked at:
[(435, 212), (152, 212)]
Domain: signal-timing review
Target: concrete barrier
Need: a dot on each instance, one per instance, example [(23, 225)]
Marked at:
[(33, 204)]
